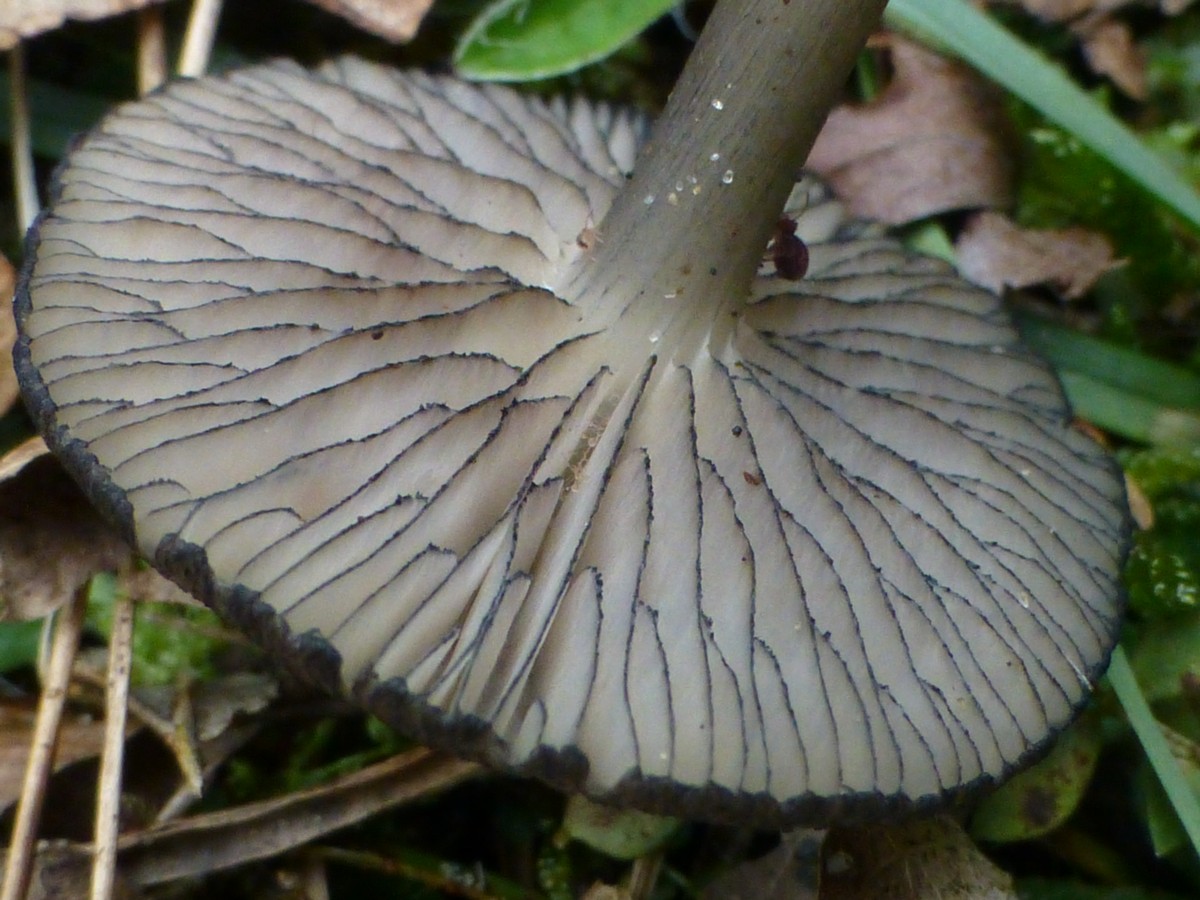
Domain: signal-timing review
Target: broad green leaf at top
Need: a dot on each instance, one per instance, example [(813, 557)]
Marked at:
[(959, 27), (513, 40), (516, 40)]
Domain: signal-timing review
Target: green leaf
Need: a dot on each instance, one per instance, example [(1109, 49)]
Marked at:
[(1163, 471), (1166, 656), (1064, 183), (1036, 801), (518, 40), (976, 37), (19, 644), (930, 238), (1163, 573), (1173, 69), (1128, 414), (620, 833), (554, 872)]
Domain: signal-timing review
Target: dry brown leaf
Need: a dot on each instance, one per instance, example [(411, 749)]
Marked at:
[(1107, 42), (934, 140), (996, 253), (191, 717), (914, 860), (395, 20), (25, 18), (9, 392), (1111, 51), (213, 703), (1140, 507), (51, 540)]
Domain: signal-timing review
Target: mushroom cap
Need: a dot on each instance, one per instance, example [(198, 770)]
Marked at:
[(316, 343)]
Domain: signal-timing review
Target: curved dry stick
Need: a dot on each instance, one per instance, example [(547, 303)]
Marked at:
[(267, 828)]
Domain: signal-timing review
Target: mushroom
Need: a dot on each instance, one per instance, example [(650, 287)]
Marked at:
[(545, 462)]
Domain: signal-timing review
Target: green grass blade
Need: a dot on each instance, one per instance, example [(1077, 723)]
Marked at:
[(1117, 388), (1154, 743), (1127, 414), (959, 27), (1123, 367)]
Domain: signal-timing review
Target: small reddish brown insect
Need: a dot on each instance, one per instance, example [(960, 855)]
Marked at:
[(788, 252)]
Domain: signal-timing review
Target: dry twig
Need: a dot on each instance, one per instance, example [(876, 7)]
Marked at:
[(41, 757)]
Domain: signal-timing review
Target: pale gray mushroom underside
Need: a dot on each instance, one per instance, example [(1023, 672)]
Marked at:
[(315, 341)]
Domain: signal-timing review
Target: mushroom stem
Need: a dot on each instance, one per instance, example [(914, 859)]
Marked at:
[(699, 211)]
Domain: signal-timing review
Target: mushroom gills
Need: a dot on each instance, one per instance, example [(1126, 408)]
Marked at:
[(834, 544)]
